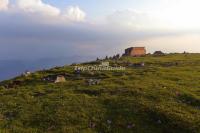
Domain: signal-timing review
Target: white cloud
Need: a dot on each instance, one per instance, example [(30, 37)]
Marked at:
[(136, 20), (37, 6), (74, 14), (4, 4), (181, 14), (162, 15)]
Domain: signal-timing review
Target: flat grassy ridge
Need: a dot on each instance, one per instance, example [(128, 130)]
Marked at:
[(161, 97)]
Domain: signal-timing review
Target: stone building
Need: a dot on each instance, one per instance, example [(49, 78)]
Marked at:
[(135, 51)]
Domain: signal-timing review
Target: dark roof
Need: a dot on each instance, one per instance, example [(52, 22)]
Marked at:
[(136, 48), (158, 52)]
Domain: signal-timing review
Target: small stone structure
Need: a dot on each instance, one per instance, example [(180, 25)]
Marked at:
[(60, 79), (158, 53), (135, 51)]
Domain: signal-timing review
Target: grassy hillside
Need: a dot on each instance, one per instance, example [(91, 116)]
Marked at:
[(161, 97)]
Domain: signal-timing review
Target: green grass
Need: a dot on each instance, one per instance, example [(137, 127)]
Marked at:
[(162, 97)]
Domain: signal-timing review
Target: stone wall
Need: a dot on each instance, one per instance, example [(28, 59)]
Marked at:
[(135, 51)]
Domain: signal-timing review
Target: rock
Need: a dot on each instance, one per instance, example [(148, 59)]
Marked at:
[(177, 93), (109, 121), (91, 73), (26, 73), (129, 126), (92, 125), (98, 81), (198, 107), (91, 82), (60, 79), (141, 64), (179, 101), (159, 121), (77, 71), (164, 87)]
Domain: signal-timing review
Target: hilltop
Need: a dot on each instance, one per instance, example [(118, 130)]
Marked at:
[(163, 96)]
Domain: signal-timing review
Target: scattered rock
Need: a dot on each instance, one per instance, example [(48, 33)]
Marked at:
[(129, 126), (38, 94), (159, 122), (164, 87), (109, 121), (50, 78), (91, 82), (91, 73), (170, 64), (77, 71), (92, 125), (178, 93), (179, 101), (26, 73), (141, 64), (198, 107), (55, 78)]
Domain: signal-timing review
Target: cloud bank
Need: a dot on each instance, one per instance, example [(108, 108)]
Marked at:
[(33, 29), (4, 4), (38, 7), (137, 20)]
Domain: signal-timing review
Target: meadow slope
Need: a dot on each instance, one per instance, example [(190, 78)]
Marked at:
[(161, 97)]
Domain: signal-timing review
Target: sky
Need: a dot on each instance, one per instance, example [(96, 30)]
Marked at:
[(36, 29)]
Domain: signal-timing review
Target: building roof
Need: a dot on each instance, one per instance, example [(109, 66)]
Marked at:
[(136, 48), (158, 52)]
